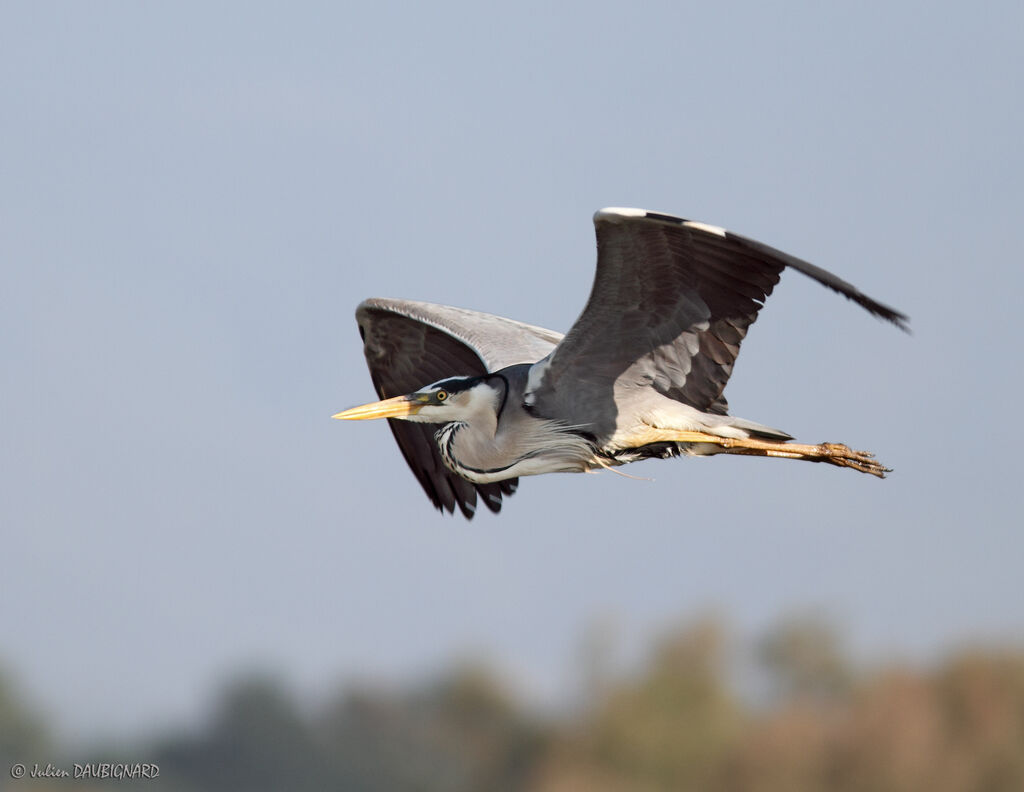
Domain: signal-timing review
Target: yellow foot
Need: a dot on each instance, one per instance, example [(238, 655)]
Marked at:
[(844, 456)]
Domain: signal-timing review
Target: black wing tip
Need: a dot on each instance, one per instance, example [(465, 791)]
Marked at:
[(617, 214), (490, 494), (901, 320), (467, 508), (492, 502), (872, 306)]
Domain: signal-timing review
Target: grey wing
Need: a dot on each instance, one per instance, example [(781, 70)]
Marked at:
[(411, 344), (671, 302)]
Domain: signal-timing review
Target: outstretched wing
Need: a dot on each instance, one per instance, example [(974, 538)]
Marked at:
[(671, 302), (411, 344)]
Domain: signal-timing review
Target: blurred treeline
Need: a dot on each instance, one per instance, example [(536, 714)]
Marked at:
[(797, 715)]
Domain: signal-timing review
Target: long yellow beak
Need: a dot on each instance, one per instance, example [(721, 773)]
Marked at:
[(389, 408)]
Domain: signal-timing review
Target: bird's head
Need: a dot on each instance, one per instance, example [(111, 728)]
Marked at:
[(452, 399)]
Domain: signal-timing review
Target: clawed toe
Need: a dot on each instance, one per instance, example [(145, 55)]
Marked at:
[(844, 456)]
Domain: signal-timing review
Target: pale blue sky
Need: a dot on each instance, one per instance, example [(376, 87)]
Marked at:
[(194, 199)]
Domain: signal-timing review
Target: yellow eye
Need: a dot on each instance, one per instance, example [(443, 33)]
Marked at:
[(441, 395)]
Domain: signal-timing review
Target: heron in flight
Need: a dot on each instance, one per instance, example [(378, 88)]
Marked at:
[(475, 401)]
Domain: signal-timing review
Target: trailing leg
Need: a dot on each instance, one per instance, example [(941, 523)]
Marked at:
[(831, 453)]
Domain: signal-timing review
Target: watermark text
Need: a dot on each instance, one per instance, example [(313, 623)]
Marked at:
[(116, 771)]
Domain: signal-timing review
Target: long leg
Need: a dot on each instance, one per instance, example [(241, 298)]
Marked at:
[(832, 453)]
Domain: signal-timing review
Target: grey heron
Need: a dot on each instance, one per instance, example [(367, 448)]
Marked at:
[(475, 400)]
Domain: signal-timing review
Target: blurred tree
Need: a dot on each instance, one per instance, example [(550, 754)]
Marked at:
[(804, 660), (674, 725), (890, 739), (22, 735), (981, 697), (459, 733), (470, 709), (670, 729), (959, 729), (258, 740)]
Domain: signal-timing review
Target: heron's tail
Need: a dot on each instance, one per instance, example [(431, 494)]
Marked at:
[(755, 429)]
